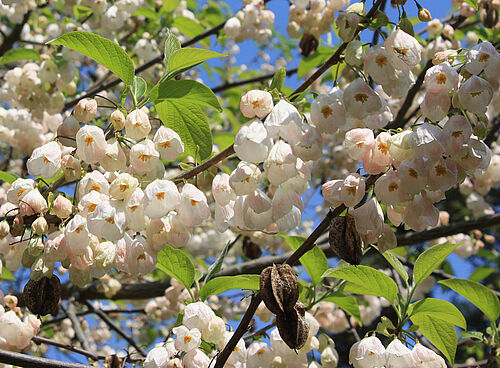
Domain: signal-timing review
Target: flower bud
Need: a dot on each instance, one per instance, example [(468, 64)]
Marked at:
[(40, 226), (424, 15), (117, 120), (85, 110), (72, 168), (62, 207)]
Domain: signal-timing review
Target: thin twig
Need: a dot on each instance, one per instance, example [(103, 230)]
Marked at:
[(88, 354), (28, 361), (80, 335)]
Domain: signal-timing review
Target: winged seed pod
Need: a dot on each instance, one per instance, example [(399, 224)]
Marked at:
[(344, 239), (42, 297), (293, 327), (279, 288)]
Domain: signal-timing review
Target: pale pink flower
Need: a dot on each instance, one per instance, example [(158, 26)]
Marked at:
[(245, 178), (402, 145), (309, 144), (369, 217), (45, 161), (352, 190), (114, 159), (420, 213), (197, 315), (157, 358), (193, 207), (62, 207), (430, 141), (413, 175), (32, 203), (90, 144), (403, 50), (168, 143), (378, 66), (367, 353), (186, 339), (90, 201), (256, 103), (19, 188), (252, 143), (107, 221), (425, 357), (161, 196), (360, 100), (139, 258), (214, 330), (441, 78), (389, 190), (221, 189), (117, 119), (283, 113), (435, 106), (144, 156), (327, 111), (196, 359), (93, 181), (457, 132), (358, 141), (134, 211), (123, 186), (281, 163), (331, 191), (442, 174), (475, 95), (259, 354), (137, 125), (77, 234), (224, 215), (85, 110), (399, 355), (347, 23), (476, 157)]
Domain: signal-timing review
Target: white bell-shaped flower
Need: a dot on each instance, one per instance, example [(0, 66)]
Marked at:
[(161, 196), (45, 160)]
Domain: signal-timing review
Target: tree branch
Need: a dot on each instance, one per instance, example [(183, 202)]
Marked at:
[(28, 361), (14, 35), (42, 340)]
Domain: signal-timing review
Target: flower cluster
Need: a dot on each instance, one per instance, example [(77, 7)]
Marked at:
[(370, 352), (16, 333), (252, 22)]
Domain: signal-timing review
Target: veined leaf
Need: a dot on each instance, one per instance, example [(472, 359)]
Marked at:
[(185, 90), (430, 260), (314, 261), (187, 58), (440, 309), (220, 284), (278, 79), (396, 263), (440, 333), (479, 295), (188, 120), (370, 280), (172, 44), (175, 263), (102, 50), (139, 87), (191, 29), (19, 54), (347, 303)]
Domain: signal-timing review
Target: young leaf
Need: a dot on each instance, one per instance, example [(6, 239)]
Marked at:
[(172, 44), (472, 3), (395, 263), (278, 79), (138, 88), (190, 28), (440, 309), (190, 122), (102, 50), (479, 295), (347, 303), (370, 280), (314, 261), (19, 54), (220, 284), (440, 333), (170, 5), (480, 273), (431, 259), (187, 58), (185, 90), (6, 274), (176, 264), (217, 265), (7, 177)]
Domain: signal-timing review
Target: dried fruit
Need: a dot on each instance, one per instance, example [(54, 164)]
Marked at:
[(250, 249), (293, 327), (279, 288), (308, 44), (42, 297), (345, 240)]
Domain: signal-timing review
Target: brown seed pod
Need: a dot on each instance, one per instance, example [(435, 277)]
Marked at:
[(279, 288), (293, 327), (345, 240), (42, 297), (250, 249), (308, 44)]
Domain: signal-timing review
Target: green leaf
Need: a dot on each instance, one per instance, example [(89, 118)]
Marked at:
[(172, 44), (472, 3), (147, 13), (480, 273), (314, 261), (217, 265), (396, 263), (102, 50), (440, 309), (188, 120), (187, 91), (370, 280), (7, 177), (170, 5), (430, 260), (81, 11), (440, 333), (6, 274), (138, 88), (479, 295), (190, 28), (176, 264), (220, 284), (472, 335), (278, 79), (312, 61), (187, 58), (19, 54), (347, 303), (224, 139)]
